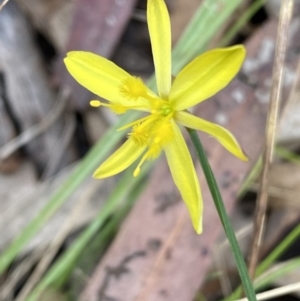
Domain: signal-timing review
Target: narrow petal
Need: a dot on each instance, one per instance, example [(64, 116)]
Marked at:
[(104, 78), (218, 132), (185, 177), (95, 73), (205, 76), (120, 160), (160, 35)]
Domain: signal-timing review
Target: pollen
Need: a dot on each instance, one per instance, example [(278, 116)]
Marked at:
[(133, 88), (154, 151), (162, 132), (139, 134)]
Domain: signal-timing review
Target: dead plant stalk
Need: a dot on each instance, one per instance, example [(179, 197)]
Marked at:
[(3, 4), (262, 198)]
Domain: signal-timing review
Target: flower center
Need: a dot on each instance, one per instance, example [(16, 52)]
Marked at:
[(155, 132), (166, 110)]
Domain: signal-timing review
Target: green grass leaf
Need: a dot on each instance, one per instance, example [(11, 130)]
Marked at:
[(216, 195)]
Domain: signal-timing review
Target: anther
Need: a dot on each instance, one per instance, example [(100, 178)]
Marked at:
[(138, 168), (136, 171), (95, 103), (98, 103)]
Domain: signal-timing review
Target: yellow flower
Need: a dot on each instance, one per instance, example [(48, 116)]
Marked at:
[(158, 130)]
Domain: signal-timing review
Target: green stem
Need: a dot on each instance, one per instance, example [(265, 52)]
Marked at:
[(242, 21), (288, 155), (270, 259), (279, 250), (215, 192)]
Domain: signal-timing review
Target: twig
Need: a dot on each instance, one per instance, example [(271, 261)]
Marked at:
[(8, 287), (221, 265), (289, 195), (221, 260), (288, 119), (37, 129), (273, 270), (281, 291), (60, 147), (57, 242), (3, 4), (294, 97), (284, 21)]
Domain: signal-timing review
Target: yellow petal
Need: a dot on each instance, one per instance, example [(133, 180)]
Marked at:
[(185, 177), (160, 35), (120, 160), (218, 132), (95, 73), (205, 76)]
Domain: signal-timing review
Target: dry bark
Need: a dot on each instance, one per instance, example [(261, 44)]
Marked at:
[(7, 130), (29, 95)]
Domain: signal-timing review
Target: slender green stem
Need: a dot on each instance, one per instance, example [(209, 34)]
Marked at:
[(215, 192), (269, 260), (250, 179), (288, 155), (279, 250), (277, 273), (245, 17)]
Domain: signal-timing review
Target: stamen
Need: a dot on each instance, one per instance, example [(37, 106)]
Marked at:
[(138, 168), (139, 135), (142, 131), (115, 107), (129, 125), (151, 118), (162, 131), (156, 104), (98, 103), (154, 150), (133, 88), (95, 103), (118, 109)]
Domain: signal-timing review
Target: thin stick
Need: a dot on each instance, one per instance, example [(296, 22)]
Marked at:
[(38, 129), (22, 269), (3, 4), (60, 146), (57, 242), (280, 291), (284, 21)]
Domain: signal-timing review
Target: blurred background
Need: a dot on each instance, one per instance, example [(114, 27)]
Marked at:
[(64, 235)]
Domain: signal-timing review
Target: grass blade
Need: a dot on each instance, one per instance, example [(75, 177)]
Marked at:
[(214, 190)]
